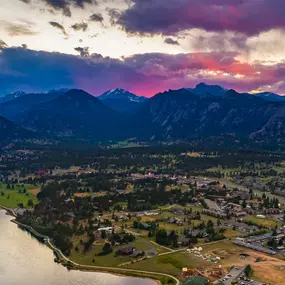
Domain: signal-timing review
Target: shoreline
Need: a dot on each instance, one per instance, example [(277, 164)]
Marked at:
[(71, 265)]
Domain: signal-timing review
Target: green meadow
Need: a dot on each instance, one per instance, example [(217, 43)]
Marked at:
[(13, 195)]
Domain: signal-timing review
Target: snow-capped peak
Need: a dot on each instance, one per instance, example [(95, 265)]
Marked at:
[(60, 90), (119, 93)]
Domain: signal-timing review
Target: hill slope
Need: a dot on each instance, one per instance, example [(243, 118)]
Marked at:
[(25, 102), (10, 131), (180, 114), (75, 113)]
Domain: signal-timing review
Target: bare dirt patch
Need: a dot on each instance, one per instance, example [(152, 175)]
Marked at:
[(35, 192)]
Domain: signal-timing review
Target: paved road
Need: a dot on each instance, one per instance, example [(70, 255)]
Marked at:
[(131, 232), (167, 248)]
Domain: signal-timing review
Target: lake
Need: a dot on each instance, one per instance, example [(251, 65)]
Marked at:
[(26, 261)]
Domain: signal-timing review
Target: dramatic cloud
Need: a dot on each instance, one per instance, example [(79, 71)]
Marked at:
[(84, 51), (224, 41), (59, 27), (144, 74), (249, 17), (97, 17), (80, 26), (170, 41), (64, 5), (2, 44), (18, 29)]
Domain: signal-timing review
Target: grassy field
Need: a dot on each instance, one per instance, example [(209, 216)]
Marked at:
[(162, 219), (125, 144), (266, 223), (140, 244), (13, 197), (230, 233), (170, 264)]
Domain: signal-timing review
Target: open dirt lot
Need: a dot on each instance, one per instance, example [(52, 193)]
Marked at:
[(271, 270)]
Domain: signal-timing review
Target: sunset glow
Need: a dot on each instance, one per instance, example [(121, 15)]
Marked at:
[(142, 46)]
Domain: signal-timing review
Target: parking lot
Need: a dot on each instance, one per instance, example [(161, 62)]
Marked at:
[(237, 275), (233, 275)]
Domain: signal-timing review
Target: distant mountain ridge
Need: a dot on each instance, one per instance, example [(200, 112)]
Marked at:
[(19, 94), (11, 108), (12, 96), (269, 96), (204, 89)]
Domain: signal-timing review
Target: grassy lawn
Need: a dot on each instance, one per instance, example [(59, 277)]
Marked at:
[(140, 244), (125, 144), (162, 219), (12, 197), (170, 264), (266, 223), (230, 233)]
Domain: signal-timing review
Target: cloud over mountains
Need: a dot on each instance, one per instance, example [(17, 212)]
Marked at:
[(143, 74)]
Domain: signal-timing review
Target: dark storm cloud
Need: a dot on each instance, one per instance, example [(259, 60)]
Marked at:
[(80, 26), (220, 42), (96, 17), (59, 27), (249, 17), (84, 51), (64, 5), (170, 41), (114, 15)]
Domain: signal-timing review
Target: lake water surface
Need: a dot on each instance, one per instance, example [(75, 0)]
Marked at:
[(26, 261)]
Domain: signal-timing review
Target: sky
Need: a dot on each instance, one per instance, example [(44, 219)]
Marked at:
[(144, 46)]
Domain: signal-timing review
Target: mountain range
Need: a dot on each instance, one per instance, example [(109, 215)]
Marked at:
[(185, 114)]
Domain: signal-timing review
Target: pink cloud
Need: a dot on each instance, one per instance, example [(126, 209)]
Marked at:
[(249, 17), (143, 74)]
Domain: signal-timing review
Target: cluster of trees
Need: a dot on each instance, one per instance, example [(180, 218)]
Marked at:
[(269, 203), (60, 233), (106, 249), (123, 238), (274, 242), (163, 238)]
